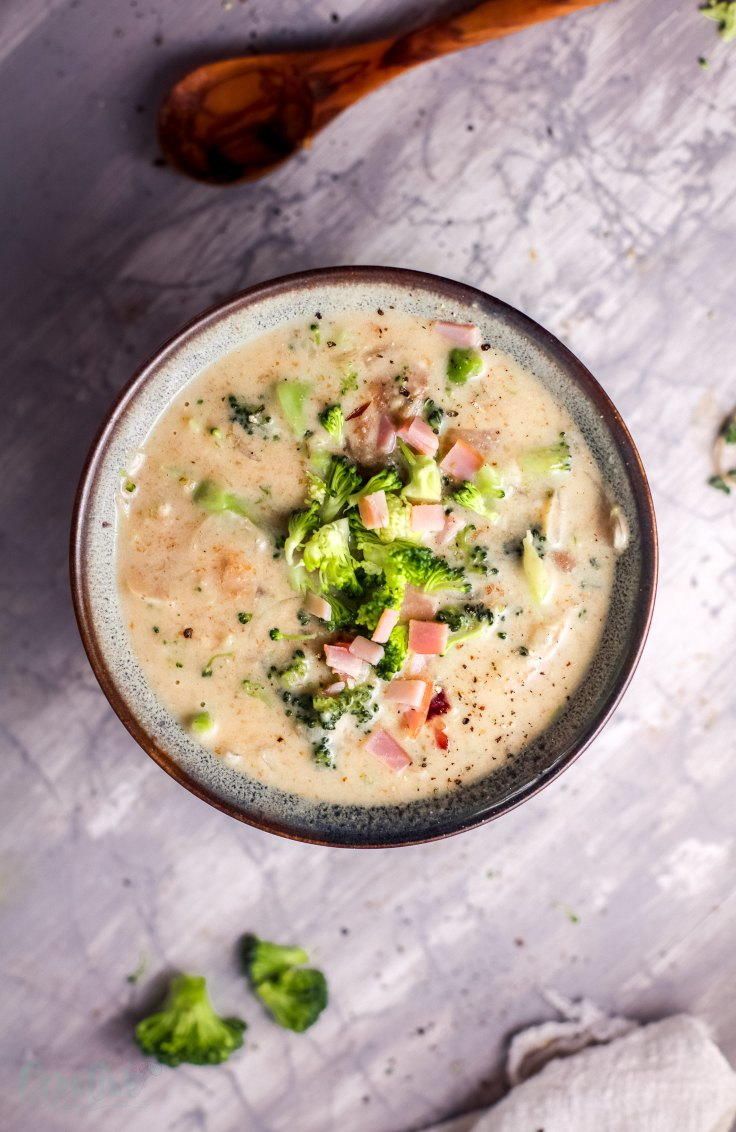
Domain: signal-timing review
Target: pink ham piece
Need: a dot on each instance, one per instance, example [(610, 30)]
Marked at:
[(386, 624), (366, 650), (318, 607), (341, 660), (335, 689), (464, 334), (408, 692), (426, 518), (453, 525), (419, 436), (373, 510), (385, 748), (386, 438), (428, 638), (462, 461)]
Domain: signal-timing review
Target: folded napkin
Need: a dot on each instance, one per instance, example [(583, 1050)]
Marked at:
[(604, 1074)]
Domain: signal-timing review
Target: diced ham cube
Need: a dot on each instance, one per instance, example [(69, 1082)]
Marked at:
[(373, 510), (341, 660), (464, 334), (419, 436), (385, 748), (335, 689), (453, 525), (386, 623), (428, 638), (366, 650), (317, 606), (414, 719), (426, 518), (408, 692), (462, 461), (386, 438)]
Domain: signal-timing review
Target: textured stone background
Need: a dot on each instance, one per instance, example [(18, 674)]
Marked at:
[(584, 172)]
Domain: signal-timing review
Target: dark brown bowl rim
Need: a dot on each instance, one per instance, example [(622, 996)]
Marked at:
[(452, 290)]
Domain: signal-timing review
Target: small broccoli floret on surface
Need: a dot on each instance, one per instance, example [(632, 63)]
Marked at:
[(254, 689), (399, 521), (302, 525), (328, 552), (434, 415), (296, 998), (293, 994), (379, 593), (394, 653), (417, 566), (465, 621), (295, 672), (323, 754), (341, 480), (387, 480), (187, 1029), (357, 701), (489, 483), (292, 397), (202, 723), (332, 420), (470, 497), (278, 635), (540, 462)]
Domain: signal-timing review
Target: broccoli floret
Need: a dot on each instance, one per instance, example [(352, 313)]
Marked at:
[(323, 754), (302, 524), (254, 689), (379, 593), (244, 618), (332, 420), (386, 480), (278, 635), (341, 615), (416, 565), (542, 462), (263, 960), (357, 701), (341, 479), (425, 481), (489, 483), (293, 397), (186, 1029), (208, 668), (202, 723), (296, 998), (349, 382), (462, 364), (465, 622), (215, 499), (252, 418), (328, 551), (394, 653), (295, 995), (468, 496), (434, 415), (295, 672), (724, 14), (535, 570), (399, 521)]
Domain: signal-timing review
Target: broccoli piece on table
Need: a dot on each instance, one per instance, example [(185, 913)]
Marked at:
[(394, 653), (328, 551), (332, 420), (293, 994), (187, 1029), (357, 701), (341, 480)]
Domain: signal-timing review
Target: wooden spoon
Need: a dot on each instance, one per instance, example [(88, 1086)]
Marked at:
[(240, 118)]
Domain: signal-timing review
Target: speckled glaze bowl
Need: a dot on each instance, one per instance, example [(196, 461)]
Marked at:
[(93, 566)]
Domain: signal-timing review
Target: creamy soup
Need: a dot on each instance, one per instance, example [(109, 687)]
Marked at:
[(365, 559)]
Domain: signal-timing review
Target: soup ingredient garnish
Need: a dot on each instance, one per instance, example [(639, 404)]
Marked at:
[(245, 618), (425, 481), (541, 462), (461, 333), (253, 688), (724, 14), (332, 420), (187, 1029), (471, 498), (214, 498), (536, 572), (294, 673), (462, 364), (383, 745), (466, 622), (202, 723), (293, 397), (293, 994), (252, 418)]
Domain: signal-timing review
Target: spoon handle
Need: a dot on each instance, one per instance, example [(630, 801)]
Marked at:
[(490, 19)]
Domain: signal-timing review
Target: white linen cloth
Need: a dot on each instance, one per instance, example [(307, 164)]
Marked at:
[(667, 1076)]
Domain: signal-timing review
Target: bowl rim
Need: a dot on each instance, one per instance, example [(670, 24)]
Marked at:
[(452, 290)]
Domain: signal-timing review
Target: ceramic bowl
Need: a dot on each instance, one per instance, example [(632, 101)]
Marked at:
[(219, 331)]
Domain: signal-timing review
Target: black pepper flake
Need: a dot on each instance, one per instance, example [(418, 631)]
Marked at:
[(378, 310), (466, 719), (332, 344), (318, 314), (188, 633), (486, 346)]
